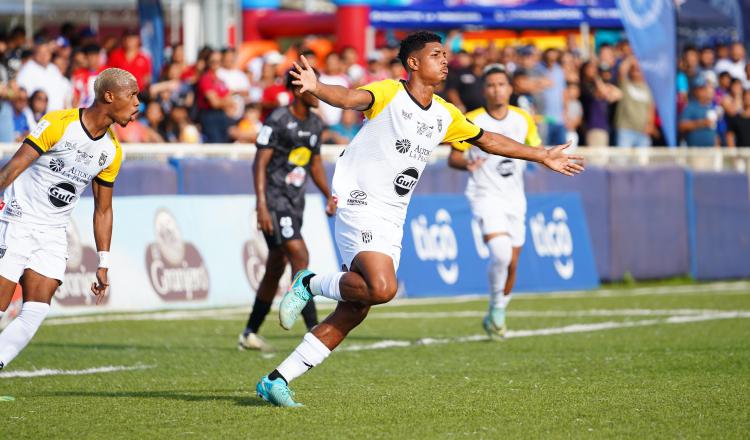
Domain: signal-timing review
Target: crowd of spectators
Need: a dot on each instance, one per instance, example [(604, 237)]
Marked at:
[(595, 99)]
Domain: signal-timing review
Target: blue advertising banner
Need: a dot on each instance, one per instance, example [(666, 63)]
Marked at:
[(443, 252), (497, 13), (650, 26), (152, 33)]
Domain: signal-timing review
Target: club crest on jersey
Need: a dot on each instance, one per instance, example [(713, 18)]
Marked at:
[(405, 181), (439, 124), (103, 159), (366, 236), (56, 164), (83, 157), (62, 194), (424, 129), (403, 146)]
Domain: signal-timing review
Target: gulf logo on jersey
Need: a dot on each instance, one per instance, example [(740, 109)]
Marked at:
[(405, 181)]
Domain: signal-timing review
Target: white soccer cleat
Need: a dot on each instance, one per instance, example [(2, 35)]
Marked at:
[(252, 341)]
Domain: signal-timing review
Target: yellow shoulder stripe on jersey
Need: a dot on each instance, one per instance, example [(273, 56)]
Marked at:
[(532, 134), (471, 116), (459, 128), (382, 93), (108, 175), (50, 129)]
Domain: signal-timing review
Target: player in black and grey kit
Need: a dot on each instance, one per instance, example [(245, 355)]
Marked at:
[(288, 150)]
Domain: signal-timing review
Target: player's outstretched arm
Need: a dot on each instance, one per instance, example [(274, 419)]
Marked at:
[(318, 174), (457, 159), (22, 159), (337, 96), (102, 236), (553, 158)]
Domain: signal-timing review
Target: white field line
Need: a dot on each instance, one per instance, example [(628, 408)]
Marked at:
[(574, 328), (51, 372), (231, 315)]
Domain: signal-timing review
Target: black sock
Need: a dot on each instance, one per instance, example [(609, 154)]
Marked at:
[(276, 375), (306, 282), (310, 315), (257, 316)]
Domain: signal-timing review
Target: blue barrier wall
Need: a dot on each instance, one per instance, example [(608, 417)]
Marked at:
[(720, 216), (144, 178), (648, 223), (214, 176)]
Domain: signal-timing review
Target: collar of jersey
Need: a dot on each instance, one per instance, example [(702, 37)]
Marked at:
[(80, 119), (406, 89)]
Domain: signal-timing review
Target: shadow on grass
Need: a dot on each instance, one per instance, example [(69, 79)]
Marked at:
[(171, 395)]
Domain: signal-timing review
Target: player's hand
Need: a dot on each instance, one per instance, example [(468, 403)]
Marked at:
[(100, 287), (305, 77), (558, 160), (331, 206), (473, 165), (265, 223)]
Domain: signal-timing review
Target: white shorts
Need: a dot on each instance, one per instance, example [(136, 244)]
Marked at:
[(493, 219), (43, 250), (358, 232)]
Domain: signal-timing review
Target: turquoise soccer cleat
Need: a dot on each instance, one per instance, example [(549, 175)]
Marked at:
[(294, 300), (494, 323), (276, 392)]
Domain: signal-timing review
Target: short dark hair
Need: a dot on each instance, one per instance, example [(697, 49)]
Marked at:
[(414, 42)]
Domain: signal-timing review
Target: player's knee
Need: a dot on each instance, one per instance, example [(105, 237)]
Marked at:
[(501, 250), (381, 291)]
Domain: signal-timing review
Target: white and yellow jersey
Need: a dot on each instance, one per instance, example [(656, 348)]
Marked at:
[(46, 192), (379, 169), (500, 179)]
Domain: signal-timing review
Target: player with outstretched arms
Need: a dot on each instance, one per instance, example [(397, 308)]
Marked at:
[(373, 182), (42, 183), (288, 151), (495, 189)]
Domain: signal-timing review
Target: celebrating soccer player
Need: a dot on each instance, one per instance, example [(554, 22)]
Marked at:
[(288, 150), (495, 189), (42, 183), (373, 182)]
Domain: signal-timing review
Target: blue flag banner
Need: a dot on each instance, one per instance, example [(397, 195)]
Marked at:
[(650, 26), (152, 33)]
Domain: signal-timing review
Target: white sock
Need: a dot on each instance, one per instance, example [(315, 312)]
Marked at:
[(501, 253), (308, 354), (18, 334), (327, 285)]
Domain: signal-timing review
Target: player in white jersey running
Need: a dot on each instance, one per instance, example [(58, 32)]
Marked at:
[(42, 183), (373, 181), (495, 189)]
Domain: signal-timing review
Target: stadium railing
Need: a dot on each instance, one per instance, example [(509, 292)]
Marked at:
[(704, 159)]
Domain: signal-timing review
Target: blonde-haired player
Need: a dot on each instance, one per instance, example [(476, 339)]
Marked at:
[(495, 189), (42, 183)]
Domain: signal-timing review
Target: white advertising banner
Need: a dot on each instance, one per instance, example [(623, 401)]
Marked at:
[(171, 252)]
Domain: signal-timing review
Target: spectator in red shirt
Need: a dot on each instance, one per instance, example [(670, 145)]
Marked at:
[(84, 77), (213, 100), (130, 57)]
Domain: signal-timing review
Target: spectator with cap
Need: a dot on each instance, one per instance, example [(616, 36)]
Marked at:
[(698, 121), (739, 124), (213, 100), (130, 57)]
